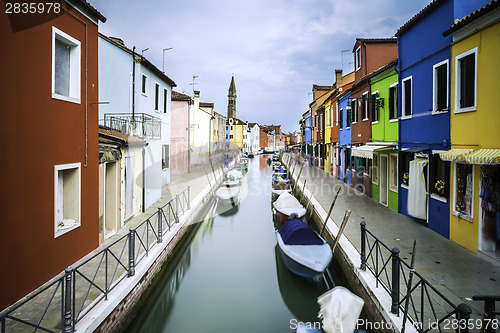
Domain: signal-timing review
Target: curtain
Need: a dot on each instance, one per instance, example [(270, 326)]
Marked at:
[(417, 197)]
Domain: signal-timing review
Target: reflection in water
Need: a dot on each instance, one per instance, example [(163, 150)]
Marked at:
[(229, 278)]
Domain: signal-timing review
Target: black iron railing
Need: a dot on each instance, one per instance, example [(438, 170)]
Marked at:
[(63, 302), (428, 310)]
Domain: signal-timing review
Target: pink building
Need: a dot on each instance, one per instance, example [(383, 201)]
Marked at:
[(179, 146)]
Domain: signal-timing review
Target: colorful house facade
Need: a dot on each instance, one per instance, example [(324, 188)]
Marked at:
[(344, 149), (475, 155), (50, 190), (179, 137)]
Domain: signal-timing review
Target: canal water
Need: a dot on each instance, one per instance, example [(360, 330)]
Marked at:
[(229, 277)]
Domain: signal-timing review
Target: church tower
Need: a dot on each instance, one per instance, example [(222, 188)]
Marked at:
[(231, 103)]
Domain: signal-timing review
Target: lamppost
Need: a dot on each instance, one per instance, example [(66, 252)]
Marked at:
[(163, 68)]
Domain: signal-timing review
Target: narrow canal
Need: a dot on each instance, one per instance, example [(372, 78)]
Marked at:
[(230, 277)]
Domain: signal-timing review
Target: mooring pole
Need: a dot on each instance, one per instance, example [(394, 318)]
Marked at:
[(330, 210), (341, 230), (408, 291)]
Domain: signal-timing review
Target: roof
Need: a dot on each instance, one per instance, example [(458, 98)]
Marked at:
[(232, 86), (472, 17), (220, 115), (118, 136), (139, 58), (177, 96), (318, 87), (421, 14), (91, 8), (206, 105), (373, 41), (252, 124)]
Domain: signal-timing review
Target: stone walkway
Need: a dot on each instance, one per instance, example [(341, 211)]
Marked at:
[(455, 271)]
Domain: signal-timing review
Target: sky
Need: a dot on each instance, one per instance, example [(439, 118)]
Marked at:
[(276, 49)]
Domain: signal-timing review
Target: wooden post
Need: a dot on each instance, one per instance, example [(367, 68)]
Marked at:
[(341, 230), (330, 210)]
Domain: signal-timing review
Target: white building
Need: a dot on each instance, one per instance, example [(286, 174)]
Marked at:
[(200, 120), (254, 137)]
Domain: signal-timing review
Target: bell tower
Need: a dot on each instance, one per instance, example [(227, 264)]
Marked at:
[(231, 100)]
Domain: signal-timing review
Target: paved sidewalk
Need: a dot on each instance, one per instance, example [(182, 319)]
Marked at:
[(455, 271)]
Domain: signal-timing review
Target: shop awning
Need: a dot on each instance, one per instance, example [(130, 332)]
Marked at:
[(455, 154), (366, 151), (484, 156), (414, 150)]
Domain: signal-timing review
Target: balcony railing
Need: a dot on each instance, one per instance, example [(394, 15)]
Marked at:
[(140, 124)]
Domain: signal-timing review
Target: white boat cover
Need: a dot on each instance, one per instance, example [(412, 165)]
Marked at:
[(287, 204), (236, 174), (340, 310), (226, 193)]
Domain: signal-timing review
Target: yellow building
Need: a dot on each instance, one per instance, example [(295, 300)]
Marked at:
[(236, 129), (475, 132)]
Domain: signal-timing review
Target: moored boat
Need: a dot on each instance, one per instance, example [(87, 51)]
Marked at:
[(228, 195), (287, 204), (304, 252), (280, 188), (234, 174)]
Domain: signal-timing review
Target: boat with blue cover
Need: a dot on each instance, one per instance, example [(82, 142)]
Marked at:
[(304, 252)]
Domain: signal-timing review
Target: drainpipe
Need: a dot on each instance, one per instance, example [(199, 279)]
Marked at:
[(399, 121), (133, 83)]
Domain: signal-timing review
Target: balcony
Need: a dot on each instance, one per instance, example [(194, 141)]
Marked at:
[(140, 124)]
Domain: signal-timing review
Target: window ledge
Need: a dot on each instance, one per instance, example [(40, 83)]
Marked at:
[(375, 182), (436, 112), (462, 216), (374, 122), (365, 119), (66, 98), (394, 189), (63, 230), (438, 198), (463, 110), (393, 120), (404, 186), (406, 117)]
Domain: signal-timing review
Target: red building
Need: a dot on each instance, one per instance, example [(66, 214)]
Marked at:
[(49, 172)]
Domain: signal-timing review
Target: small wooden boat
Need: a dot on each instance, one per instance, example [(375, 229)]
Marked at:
[(280, 188), (287, 204), (304, 252), (228, 195), (231, 183)]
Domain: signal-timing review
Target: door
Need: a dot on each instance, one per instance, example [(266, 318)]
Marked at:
[(129, 187), (383, 179), (110, 199)]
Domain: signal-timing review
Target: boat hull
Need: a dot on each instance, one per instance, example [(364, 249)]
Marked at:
[(308, 274)]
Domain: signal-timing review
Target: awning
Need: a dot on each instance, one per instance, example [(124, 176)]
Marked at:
[(455, 154), (484, 156), (366, 151), (414, 150)]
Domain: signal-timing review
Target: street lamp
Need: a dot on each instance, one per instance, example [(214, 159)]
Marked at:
[(168, 48), (142, 52)]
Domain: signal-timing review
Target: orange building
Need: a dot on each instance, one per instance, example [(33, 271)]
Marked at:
[(49, 172)]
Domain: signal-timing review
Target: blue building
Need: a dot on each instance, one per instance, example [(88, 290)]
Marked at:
[(424, 111), (344, 153), (307, 147)]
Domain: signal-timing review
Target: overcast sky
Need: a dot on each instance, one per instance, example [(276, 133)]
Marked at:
[(276, 49)]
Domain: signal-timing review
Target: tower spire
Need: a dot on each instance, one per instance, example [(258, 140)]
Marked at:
[(231, 103)]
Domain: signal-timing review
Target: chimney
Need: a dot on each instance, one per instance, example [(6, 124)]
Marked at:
[(338, 77)]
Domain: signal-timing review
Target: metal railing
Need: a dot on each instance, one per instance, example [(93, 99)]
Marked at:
[(428, 310), (140, 124), (63, 302)]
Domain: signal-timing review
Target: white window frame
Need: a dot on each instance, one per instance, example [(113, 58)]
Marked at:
[(144, 84), (403, 105), (374, 173), (375, 93), (453, 211), (354, 110), (58, 231), (75, 74), (357, 61), (337, 114), (367, 111), (457, 81), (165, 101), (395, 103), (393, 168), (434, 87)]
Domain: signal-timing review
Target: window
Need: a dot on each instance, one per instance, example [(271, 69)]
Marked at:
[(464, 186), (466, 81), (157, 96), (374, 106), (375, 169), (67, 197), (393, 101), (440, 87), (144, 84), (357, 58), (404, 176), (439, 176), (165, 100), (231, 136), (364, 106), (407, 97), (66, 67), (348, 116), (231, 127), (354, 106), (393, 181), (341, 119), (165, 157)]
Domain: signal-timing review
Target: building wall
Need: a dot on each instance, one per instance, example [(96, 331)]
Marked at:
[(179, 140), (385, 130), (361, 131), (43, 132), (466, 126), (344, 141)]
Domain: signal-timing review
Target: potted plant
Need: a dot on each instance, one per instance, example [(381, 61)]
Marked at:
[(406, 177), (440, 187)]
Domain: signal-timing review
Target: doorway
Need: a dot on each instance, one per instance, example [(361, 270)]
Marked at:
[(383, 179), (110, 199)]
